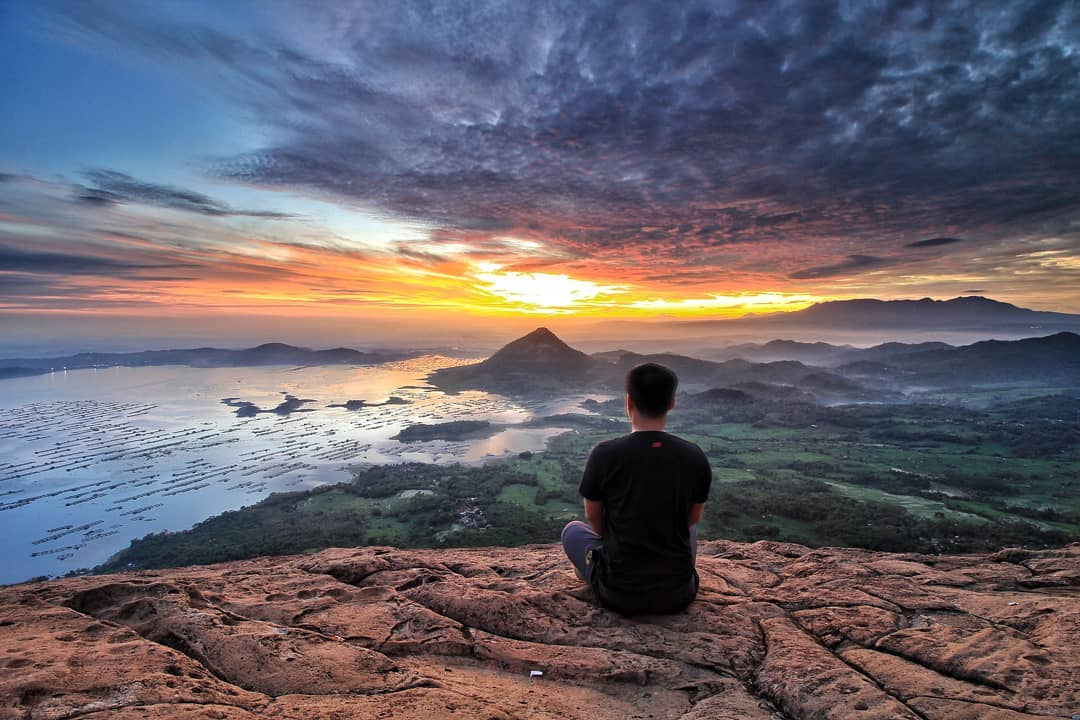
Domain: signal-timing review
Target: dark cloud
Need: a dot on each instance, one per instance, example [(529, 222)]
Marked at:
[(112, 187), (614, 128), (27, 261), (17, 285), (853, 265), (4, 177), (97, 196), (1029, 24), (933, 242), (55, 290)]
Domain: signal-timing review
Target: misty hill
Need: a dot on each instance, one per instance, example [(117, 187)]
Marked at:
[(266, 354), (610, 355), (693, 371), (535, 361), (815, 353), (823, 354), (1053, 359), (886, 351), (542, 363)]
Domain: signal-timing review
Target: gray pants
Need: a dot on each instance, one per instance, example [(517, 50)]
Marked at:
[(578, 539)]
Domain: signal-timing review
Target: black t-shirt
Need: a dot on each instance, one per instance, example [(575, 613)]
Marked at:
[(647, 481)]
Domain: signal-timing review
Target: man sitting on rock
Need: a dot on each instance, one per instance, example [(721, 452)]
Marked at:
[(644, 493)]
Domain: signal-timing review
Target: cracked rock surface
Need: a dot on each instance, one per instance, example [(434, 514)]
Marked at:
[(778, 632)]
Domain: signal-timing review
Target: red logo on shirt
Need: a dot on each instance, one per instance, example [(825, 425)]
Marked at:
[(658, 444)]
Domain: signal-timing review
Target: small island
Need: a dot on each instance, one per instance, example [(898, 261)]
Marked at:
[(454, 430), (246, 408), (361, 404)]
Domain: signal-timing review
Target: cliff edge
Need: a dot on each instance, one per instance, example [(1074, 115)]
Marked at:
[(778, 631)]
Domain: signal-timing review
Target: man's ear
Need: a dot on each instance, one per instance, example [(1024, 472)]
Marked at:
[(629, 405), (672, 405)]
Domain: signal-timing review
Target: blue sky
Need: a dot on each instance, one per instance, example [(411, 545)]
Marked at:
[(71, 106)]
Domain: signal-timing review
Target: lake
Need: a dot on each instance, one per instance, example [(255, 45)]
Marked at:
[(91, 459)]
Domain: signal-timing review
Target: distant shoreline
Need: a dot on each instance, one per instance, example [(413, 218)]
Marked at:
[(266, 355)]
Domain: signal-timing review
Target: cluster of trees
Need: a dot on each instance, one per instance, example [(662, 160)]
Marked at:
[(510, 525), (453, 430), (1039, 428), (810, 512), (566, 493), (460, 481), (988, 488), (1034, 440), (272, 527)]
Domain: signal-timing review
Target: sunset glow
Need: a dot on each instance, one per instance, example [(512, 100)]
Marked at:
[(261, 162), (544, 292), (732, 304)]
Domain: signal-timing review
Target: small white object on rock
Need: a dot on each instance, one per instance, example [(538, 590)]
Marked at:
[(1014, 603), (536, 673)]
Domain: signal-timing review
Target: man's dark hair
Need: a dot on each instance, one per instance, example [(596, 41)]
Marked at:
[(651, 388)]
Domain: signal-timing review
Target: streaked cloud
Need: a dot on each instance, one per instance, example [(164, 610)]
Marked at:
[(852, 265), (28, 261), (933, 242), (110, 187), (730, 304)]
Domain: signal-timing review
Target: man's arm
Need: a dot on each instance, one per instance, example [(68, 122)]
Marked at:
[(594, 513), (592, 486), (695, 513), (701, 494)]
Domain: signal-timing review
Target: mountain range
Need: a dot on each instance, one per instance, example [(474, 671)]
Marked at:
[(266, 354), (962, 313), (1054, 358), (540, 362)]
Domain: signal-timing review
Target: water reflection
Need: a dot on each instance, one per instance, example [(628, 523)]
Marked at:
[(94, 458)]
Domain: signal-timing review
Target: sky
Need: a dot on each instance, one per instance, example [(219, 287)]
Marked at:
[(185, 169)]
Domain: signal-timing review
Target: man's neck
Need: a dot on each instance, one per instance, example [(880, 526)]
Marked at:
[(643, 424)]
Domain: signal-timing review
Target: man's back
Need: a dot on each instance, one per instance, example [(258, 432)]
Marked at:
[(647, 481)]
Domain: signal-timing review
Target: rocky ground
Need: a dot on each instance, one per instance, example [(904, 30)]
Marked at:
[(778, 631)]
